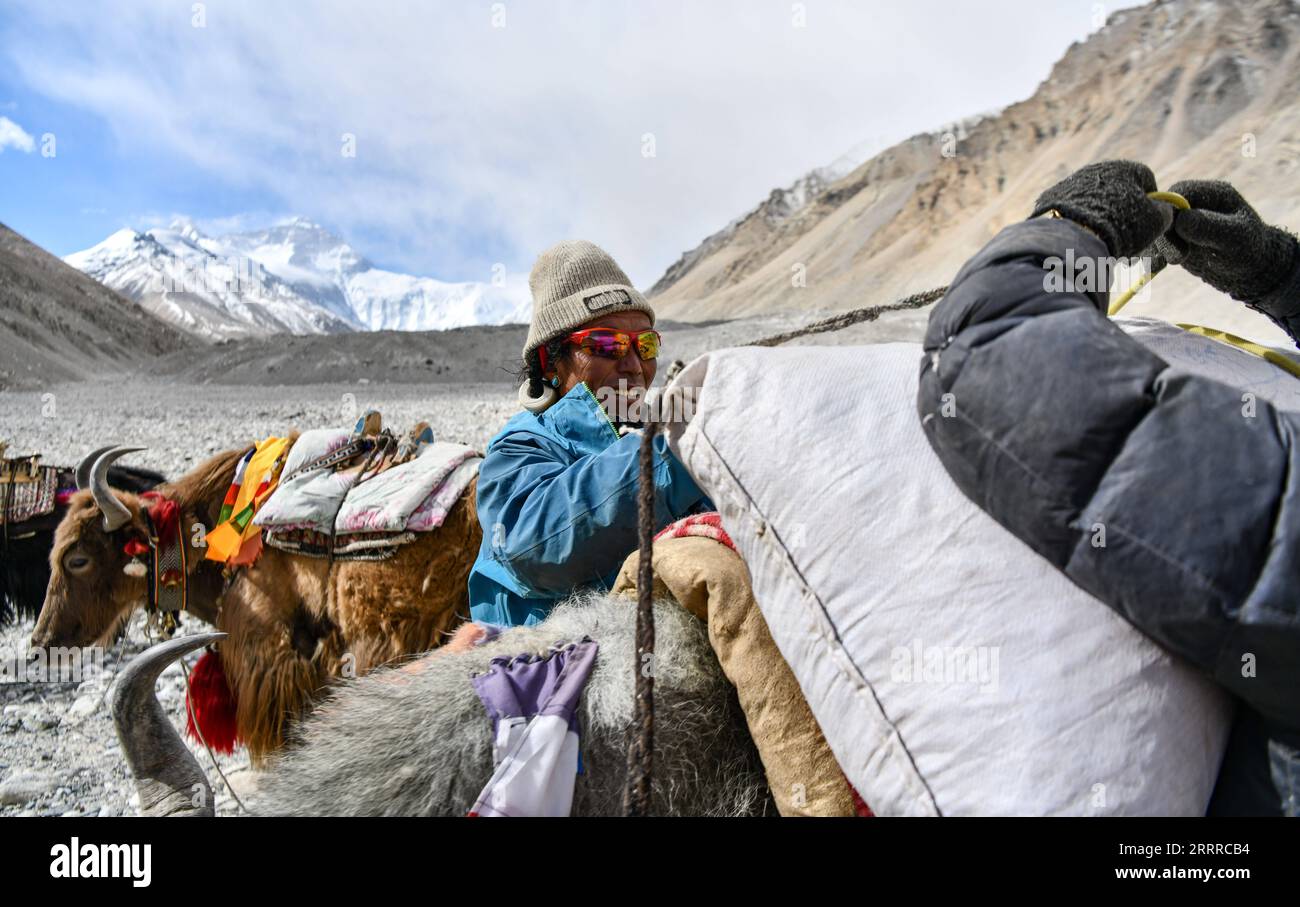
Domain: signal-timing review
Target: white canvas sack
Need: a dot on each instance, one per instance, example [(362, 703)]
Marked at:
[(952, 669)]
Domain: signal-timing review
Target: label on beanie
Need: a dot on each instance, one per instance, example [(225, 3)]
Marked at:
[(606, 299)]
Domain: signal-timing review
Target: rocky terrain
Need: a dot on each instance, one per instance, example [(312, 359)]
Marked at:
[(59, 754), (1195, 89), (57, 325)]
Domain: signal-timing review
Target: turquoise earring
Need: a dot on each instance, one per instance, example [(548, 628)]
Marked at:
[(555, 382)]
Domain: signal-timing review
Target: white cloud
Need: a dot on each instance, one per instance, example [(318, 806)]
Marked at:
[(13, 136), (478, 144)]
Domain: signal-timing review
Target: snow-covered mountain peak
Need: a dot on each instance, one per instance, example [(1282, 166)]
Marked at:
[(296, 276), (123, 240)]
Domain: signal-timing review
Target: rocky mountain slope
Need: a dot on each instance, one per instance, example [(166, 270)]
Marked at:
[(295, 277), (1196, 89), (57, 324)]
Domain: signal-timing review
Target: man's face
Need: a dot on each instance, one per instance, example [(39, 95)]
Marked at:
[(605, 374)]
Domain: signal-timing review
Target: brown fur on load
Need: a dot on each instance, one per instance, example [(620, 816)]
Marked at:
[(414, 601), (282, 647), (295, 622)]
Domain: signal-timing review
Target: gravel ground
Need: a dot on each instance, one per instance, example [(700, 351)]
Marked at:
[(183, 425), (58, 751)]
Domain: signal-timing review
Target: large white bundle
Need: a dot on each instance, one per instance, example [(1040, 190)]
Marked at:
[(953, 670)]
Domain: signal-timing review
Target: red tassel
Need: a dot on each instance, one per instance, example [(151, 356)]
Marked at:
[(213, 702), (166, 516)]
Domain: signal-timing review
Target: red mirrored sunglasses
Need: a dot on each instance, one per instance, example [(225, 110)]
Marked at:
[(610, 344)]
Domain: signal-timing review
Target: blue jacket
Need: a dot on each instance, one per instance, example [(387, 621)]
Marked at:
[(557, 503)]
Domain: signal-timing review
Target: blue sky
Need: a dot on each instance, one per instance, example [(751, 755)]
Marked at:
[(483, 131)]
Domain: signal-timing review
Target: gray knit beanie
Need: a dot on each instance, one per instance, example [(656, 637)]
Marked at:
[(574, 282)]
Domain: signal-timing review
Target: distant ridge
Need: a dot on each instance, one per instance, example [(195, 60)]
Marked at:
[(57, 324), (1194, 89)]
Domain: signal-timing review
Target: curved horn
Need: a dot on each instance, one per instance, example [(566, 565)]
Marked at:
[(84, 467), (116, 514), (165, 771)]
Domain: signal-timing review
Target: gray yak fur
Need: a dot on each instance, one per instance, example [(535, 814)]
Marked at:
[(416, 740)]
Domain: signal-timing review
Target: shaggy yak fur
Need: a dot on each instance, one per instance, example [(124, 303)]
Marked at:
[(416, 741), (295, 622)]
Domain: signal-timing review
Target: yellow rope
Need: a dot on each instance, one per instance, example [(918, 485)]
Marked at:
[(1182, 204), (1241, 343), (1250, 346), (1124, 298), (1172, 198)]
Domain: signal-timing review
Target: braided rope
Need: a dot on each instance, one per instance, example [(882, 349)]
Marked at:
[(845, 319), (640, 753)]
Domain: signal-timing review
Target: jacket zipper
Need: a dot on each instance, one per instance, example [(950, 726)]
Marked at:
[(601, 409)]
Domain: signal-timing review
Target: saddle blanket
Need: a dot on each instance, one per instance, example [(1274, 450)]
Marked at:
[(26, 491), (707, 525), (414, 496)]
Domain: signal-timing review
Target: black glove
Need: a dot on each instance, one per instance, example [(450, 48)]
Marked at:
[(1110, 198), (1223, 241)]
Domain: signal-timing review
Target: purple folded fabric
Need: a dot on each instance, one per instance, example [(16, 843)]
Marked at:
[(524, 686), (532, 702)]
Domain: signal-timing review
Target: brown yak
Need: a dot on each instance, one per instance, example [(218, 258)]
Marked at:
[(294, 621)]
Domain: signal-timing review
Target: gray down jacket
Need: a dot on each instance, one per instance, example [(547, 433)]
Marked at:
[(1058, 423)]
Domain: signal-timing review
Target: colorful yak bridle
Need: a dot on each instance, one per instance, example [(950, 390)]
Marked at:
[(166, 575)]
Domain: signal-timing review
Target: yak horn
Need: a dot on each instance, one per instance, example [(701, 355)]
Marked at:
[(166, 774), (84, 467), (116, 514)]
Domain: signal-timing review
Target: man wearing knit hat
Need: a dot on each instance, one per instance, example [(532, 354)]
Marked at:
[(557, 489), (577, 285), (557, 500)]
